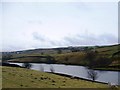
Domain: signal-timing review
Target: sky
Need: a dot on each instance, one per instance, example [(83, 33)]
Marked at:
[(31, 25)]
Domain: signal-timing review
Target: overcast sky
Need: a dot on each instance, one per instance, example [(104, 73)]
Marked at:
[(29, 25)]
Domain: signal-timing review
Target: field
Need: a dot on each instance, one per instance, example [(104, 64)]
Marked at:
[(26, 78)]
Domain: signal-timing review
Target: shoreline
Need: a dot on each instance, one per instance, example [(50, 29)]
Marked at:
[(61, 74), (100, 69), (75, 77)]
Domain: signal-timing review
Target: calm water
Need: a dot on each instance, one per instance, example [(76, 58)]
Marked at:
[(79, 71)]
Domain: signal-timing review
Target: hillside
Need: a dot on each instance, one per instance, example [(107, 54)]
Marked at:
[(101, 56), (26, 78)]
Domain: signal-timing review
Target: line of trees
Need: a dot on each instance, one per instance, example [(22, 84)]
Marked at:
[(6, 56)]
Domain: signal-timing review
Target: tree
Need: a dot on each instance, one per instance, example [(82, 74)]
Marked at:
[(41, 68), (92, 74), (6, 56), (50, 59), (27, 65), (52, 69)]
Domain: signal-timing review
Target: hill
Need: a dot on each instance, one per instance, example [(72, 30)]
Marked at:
[(101, 57)]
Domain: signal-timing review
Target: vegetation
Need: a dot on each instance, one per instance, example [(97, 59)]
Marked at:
[(27, 65), (13, 77), (34, 59), (41, 68), (92, 74), (52, 69), (97, 57), (6, 56)]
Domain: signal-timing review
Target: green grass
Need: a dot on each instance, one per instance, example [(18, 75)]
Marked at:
[(108, 50), (13, 77)]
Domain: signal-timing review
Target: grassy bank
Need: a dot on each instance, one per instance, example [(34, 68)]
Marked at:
[(13, 77)]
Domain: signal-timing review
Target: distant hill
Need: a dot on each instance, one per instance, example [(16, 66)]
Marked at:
[(68, 55)]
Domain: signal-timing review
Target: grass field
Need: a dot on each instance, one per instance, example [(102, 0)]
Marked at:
[(25, 78)]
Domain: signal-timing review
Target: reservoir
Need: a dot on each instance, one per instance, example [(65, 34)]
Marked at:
[(77, 71)]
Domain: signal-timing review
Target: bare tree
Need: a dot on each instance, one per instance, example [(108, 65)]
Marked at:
[(41, 68), (52, 69), (27, 65), (92, 74)]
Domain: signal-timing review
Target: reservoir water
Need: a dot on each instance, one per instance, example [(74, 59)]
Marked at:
[(78, 71)]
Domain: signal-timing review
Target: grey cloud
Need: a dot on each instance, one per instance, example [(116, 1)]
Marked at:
[(39, 37), (74, 40), (43, 39), (109, 38), (56, 43), (12, 48), (91, 39)]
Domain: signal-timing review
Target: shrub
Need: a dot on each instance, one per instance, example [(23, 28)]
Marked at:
[(27, 65), (52, 69), (41, 68), (92, 74)]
